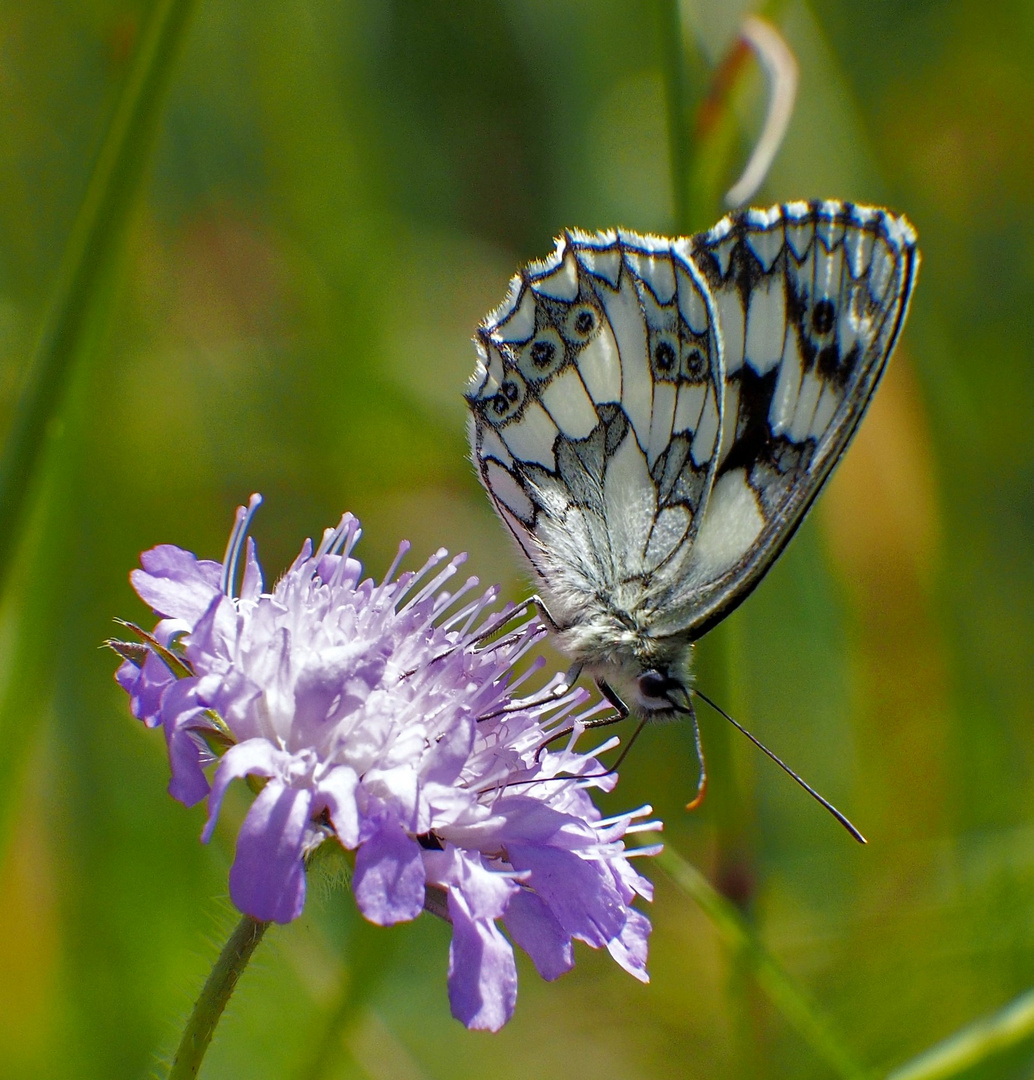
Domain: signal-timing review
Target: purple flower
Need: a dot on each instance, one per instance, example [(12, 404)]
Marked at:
[(380, 716)]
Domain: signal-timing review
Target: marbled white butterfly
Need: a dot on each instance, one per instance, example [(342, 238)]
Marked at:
[(652, 418)]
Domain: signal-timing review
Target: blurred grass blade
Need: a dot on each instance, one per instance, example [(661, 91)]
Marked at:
[(95, 239), (676, 92), (790, 999), (974, 1043)]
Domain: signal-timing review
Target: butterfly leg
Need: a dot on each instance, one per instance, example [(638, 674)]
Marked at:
[(611, 695), (628, 746), (534, 601), (573, 673), (620, 713), (537, 602)]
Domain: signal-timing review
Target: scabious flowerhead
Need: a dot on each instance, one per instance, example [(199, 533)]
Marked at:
[(382, 717)]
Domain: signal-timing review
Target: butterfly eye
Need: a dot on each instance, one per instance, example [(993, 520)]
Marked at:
[(580, 323), (653, 686), (823, 317)]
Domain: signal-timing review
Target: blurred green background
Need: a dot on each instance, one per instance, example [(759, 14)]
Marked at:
[(338, 192)]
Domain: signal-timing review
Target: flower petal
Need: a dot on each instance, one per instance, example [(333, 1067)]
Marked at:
[(336, 791), (251, 585), (181, 715), (145, 686), (579, 893), (332, 684), (389, 874), (258, 756), (267, 879), (629, 947), (214, 631), (482, 970), (176, 583), (533, 927)]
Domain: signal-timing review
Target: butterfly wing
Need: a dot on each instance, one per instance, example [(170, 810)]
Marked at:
[(810, 299), (597, 415)]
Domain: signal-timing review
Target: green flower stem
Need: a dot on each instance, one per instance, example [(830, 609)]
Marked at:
[(785, 994), (214, 996), (974, 1043), (95, 241)]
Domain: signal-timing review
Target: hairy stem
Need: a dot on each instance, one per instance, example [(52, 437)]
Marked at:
[(214, 996)]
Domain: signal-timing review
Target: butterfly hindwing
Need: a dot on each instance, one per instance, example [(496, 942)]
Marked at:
[(810, 298), (597, 410)]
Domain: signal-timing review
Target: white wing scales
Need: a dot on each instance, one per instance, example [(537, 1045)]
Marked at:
[(653, 417)]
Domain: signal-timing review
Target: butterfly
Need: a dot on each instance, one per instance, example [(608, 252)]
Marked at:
[(653, 418)]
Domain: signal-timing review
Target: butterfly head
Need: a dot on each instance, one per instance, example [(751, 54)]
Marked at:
[(658, 695), (652, 683)]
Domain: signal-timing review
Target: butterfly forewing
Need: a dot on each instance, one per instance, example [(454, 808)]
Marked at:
[(652, 418), (597, 410), (810, 298)]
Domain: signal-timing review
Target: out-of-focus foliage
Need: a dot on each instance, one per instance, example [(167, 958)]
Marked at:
[(340, 192)]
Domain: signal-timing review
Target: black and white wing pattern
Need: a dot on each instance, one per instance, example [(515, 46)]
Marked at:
[(653, 418), (810, 299), (597, 413)]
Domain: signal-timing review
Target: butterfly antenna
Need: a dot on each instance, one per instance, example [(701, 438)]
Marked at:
[(786, 768)]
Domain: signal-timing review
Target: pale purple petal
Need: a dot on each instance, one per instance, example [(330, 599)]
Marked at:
[(330, 569), (181, 715), (267, 879), (400, 788), (486, 893), (176, 583), (257, 756), (450, 753), (630, 946), (336, 792), (389, 874), (482, 971), (333, 684), (581, 896), (233, 695), (188, 757), (251, 586), (531, 821), (214, 631), (145, 685), (534, 928)]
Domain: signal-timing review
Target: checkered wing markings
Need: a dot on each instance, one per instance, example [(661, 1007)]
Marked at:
[(595, 412), (810, 298)]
